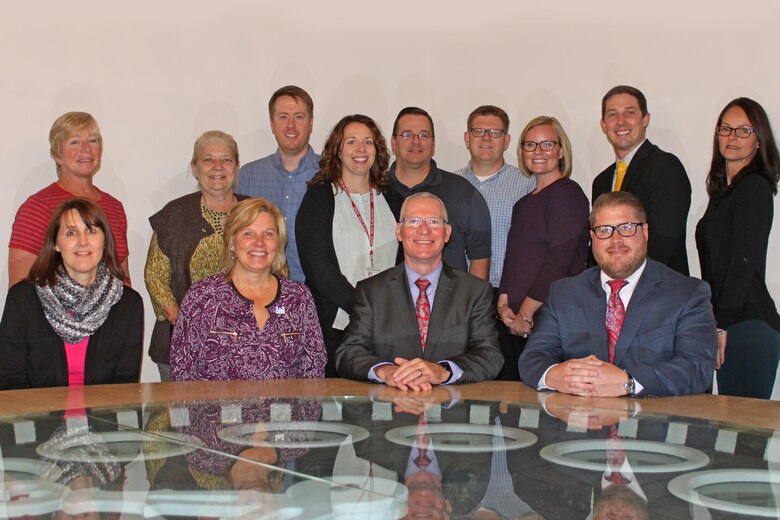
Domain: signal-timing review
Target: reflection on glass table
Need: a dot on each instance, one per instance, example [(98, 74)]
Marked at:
[(385, 456)]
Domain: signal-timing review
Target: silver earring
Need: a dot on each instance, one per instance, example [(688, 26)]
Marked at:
[(232, 255)]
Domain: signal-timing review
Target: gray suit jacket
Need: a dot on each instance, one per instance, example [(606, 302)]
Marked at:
[(383, 326), (667, 342)]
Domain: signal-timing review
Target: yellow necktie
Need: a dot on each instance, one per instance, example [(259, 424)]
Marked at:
[(620, 173)]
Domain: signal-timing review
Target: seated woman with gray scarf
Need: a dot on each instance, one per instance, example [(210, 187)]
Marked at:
[(71, 322)]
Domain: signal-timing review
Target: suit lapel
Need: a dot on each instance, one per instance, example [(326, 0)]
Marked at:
[(404, 306), (647, 290), (445, 292), (597, 314), (636, 165)]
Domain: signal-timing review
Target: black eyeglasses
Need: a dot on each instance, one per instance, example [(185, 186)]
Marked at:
[(494, 133), (530, 146), (627, 229), (408, 136), (743, 132)]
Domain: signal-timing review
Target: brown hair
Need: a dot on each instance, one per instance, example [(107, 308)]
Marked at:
[(330, 164), (44, 271), (65, 125), (242, 216), (625, 89), (297, 93), (489, 110), (611, 199)]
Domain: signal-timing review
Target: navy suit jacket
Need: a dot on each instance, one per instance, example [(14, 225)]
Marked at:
[(658, 178), (383, 325), (667, 342)]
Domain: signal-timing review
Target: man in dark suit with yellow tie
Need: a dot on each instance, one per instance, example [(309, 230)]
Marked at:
[(421, 323), (657, 177)]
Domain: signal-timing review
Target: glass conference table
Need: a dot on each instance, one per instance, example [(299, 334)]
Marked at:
[(342, 449)]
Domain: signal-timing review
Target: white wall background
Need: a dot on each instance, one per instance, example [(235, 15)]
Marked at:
[(156, 74)]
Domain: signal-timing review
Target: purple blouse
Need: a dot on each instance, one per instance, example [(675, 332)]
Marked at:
[(216, 335), (548, 240)]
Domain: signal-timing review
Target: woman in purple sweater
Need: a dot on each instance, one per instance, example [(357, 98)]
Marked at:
[(251, 321), (548, 238)]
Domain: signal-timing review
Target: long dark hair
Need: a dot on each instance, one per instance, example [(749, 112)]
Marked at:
[(44, 271), (330, 164), (767, 158)]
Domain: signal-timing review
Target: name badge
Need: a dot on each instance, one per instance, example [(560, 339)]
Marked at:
[(371, 271)]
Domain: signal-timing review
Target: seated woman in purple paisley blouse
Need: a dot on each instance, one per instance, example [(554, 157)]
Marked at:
[(250, 321)]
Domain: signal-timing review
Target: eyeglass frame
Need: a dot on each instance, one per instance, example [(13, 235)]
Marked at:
[(617, 227), (539, 145), (405, 220), (408, 135), (488, 131), (747, 129)]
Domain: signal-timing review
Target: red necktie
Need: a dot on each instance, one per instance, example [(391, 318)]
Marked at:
[(423, 309), (615, 314), (421, 442)]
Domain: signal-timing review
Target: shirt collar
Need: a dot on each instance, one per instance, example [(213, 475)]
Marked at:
[(630, 155)]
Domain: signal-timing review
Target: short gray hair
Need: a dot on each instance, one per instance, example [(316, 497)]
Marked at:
[(424, 195)]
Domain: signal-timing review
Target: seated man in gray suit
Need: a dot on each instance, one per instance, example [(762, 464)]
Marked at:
[(421, 323), (629, 326)]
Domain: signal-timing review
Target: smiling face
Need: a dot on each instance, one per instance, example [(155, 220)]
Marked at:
[(423, 245), (415, 153), (291, 124), (358, 151), (255, 246), (540, 162), (485, 149), (619, 256), (81, 247), (215, 168), (623, 123), (736, 151), (80, 154)]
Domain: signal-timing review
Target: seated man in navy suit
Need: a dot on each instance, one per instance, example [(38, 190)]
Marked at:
[(421, 323), (654, 336)]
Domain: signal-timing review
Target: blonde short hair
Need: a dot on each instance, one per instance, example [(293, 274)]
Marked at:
[(241, 217), (65, 125), (566, 162)]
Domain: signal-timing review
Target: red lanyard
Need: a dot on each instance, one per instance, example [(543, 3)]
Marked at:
[(370, 234)]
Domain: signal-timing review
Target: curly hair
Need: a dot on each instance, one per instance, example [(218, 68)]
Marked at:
[(330, 164)]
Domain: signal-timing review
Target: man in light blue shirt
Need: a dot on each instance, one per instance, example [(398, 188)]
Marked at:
[(501, 184), (282, 176)]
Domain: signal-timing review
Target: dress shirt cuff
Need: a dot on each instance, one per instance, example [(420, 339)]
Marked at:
[(457, 372), (372, 373), (543, 381)]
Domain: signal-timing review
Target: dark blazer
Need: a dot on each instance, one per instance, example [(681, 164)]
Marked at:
[(32, 355), (658, 178), (667, 342), (383, 326), (732, 238), (314, 232)]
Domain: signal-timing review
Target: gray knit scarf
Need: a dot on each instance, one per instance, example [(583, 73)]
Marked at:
[(75, 311)]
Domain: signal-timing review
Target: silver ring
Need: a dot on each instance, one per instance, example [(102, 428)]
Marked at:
[(420, 371), (525, 335)]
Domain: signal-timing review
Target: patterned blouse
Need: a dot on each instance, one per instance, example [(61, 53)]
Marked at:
[(217, 338)]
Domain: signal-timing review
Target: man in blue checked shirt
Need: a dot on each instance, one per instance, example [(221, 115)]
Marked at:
[(282, 176)]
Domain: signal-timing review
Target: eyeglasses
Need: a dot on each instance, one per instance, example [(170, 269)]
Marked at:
[(627, 229), (494, 133), (408, 136), (743, 132), (431, 222), (546, 146)]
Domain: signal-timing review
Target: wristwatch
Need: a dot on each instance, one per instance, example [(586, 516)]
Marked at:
[(630, 386)]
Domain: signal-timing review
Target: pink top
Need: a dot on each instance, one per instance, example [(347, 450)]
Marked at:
[(77, 356)]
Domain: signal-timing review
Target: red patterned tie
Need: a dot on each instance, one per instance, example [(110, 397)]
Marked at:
[(615, 314), (423, 309), (421, 442)]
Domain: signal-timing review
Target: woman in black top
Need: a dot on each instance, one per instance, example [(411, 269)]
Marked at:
[(732, 239)]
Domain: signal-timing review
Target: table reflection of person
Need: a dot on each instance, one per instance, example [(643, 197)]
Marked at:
[(250, 322)]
